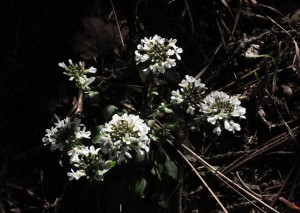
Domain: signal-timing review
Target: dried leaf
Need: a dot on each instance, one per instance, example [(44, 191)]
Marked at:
[(98, 38), (252, 51), (286, 90), (225, 3)]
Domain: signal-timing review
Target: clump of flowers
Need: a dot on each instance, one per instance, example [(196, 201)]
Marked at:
[(78, 72), (158, 53), (67, 136), (88, 162), (190, 93), (220, 108), (66, 132), (122, 135)]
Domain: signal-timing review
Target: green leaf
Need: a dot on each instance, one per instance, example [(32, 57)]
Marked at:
[(139, 157), (163, 201), (96, 133), (157, 170), (153, 137), (139, 24), (151, 123), (112, 163), (143, 74), (95, 96), (102, 172), (167, 110), (93, 93), (140, 188), (171, 168), (154, 114), (256, 76), (109, 111)]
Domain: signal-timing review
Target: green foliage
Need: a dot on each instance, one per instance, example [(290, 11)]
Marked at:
[(109, 111), (140, 188), (143, 74), (171, 168)]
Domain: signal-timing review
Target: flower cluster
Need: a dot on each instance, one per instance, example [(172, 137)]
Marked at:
[(122, 135), (158, 52), (218, 107), (67, 136), (65, 133), (88, 162), (77, 72), (190, 93)]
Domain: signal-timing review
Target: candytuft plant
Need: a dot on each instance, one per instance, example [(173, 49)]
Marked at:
[(136, 132)]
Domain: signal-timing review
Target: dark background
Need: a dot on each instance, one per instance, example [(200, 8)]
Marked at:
[(36, 35)]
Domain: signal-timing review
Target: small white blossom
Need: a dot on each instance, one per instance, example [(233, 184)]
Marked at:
[(158, 53), (219, 107), (94, 151), (74, 155), (78, 174), (190, 110), (190, 93), (77, 73), (231, 126), (77, 153), (81, 133), (176, 96), (122, 135)]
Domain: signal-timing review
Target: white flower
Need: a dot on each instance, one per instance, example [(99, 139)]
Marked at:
[(93, 151), (63, 65), (74, 155), (81, 133), (91, 70), (122, 135), (158, 53), (190, 94), (177, 51), (218, 107), (190, 110), (217, 130), (231, 126), (77, 73), (78, 174), (169, 63), (176, 96)]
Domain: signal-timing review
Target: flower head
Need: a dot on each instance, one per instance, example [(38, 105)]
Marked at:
[(65, 133), (77, 72), (219, 107), (190, 93), (122, 135), (158, 53), (88, 162)]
